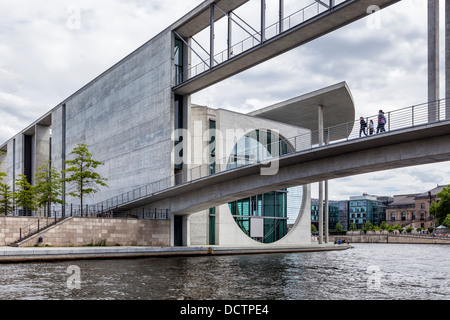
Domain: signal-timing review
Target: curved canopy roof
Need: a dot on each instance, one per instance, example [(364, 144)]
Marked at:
[(302, 111)]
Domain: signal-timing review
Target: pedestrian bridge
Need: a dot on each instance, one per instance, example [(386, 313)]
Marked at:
[(318, 18), (413, 137)]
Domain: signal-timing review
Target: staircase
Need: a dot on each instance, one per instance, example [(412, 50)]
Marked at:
[(39, 226)]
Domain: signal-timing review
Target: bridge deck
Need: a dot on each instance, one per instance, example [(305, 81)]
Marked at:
[(407, 147)]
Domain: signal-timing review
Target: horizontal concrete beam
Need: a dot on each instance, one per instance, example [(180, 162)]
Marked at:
[(421, 145), (199, 18)]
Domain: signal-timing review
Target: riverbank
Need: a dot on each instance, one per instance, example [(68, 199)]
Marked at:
[(36, 254), (392, 238)]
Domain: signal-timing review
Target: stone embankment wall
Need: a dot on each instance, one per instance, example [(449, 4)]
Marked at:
[(10, 228), (95, 231), (390, 239)]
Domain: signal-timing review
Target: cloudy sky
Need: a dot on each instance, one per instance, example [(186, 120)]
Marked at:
[(51, 48)]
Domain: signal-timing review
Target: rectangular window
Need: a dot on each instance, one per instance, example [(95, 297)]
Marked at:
[(178, 60)]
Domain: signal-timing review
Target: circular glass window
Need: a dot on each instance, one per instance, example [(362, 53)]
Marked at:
[(267, 217)]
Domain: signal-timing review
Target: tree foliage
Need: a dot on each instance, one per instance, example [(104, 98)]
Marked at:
[(82, 178), (442, 208), (2, 174), (24, 195), (48, 186), (5, 199), (446, 222), (5, 193)]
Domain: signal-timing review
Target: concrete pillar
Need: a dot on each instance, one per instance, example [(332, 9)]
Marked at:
[(211, 35), (320, 204), (320, 124), (230, 34), (281, 15), (326, 218), (321, 183), (42, 146), (447, 59), (433, 59), (172, 229), (263, 21)]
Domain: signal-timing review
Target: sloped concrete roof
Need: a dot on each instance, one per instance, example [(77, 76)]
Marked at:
[(302, 111)]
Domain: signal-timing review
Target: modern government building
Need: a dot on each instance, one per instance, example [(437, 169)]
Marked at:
[(137, 118)]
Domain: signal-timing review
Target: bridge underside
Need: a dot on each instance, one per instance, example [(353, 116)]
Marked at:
[(416, 146), (309, 30)]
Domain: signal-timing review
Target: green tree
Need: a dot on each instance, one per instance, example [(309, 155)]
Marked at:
[(353, 227), (48, 186), (5, 193), (383, 225), (24, 194), (441, 209), (446, 222), (339, 227), (2, 174), (83, 180), (399, 228), (368, 226), (5, 198), (313, 228)]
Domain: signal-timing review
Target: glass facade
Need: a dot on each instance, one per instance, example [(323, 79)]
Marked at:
[(178, 60), (334, 208), (257, 146), (367, 210), (271, 207)]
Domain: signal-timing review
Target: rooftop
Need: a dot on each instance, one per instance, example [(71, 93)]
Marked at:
[(338, 108)]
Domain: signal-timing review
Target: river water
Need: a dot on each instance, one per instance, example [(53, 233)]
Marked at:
[(366, 272)]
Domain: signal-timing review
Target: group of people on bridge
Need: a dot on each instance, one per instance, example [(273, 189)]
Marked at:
[(380, 125)]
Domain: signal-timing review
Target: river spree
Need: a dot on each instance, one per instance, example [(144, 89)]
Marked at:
[(366, 272)]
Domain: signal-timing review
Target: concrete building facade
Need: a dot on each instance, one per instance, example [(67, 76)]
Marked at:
[(413, 210)]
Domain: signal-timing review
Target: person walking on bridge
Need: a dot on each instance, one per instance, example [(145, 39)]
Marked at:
[(381, 122), (363, 127)]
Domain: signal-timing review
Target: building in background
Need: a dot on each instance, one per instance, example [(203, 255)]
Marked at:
[(366, 208), (413, 210), (334, 216), (357, 210)]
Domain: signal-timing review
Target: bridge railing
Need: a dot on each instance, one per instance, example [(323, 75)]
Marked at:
[(396, 120), (304, 14)]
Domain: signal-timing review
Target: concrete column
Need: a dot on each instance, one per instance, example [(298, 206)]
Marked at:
[(327, 229), (230, 34), (320, 204), (321, 183), (281, 16), (320, 124), (211, 27), (326, 218), (433, 59), (263, 21), (42, 146), (447, 59), (172, 230)]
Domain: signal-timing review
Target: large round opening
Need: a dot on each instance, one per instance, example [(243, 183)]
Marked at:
[(267, 217)]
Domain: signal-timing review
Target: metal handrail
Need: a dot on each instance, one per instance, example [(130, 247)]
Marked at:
[(250, 42), (36, 227), (404, 118)]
